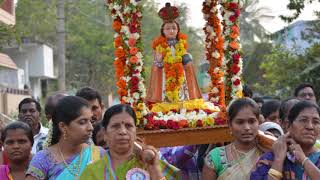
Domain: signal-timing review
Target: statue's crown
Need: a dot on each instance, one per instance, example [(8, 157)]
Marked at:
[(169, 13)]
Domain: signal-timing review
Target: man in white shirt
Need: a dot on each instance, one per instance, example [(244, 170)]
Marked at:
[(29, 112)]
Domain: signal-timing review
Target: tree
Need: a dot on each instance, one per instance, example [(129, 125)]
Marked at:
[(36, 20), (7, 34), (254, 39), (297, 6), (253, 57), (250, 27), (283, 70), (89, 47)]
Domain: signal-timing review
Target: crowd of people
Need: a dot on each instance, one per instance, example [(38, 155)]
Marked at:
[(85, 141)]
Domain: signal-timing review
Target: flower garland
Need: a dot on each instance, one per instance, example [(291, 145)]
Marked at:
[(205, 114), (128, 62), (214, 51), (233, 61), (173, 67)]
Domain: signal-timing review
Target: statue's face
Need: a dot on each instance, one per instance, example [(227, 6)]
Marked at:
[(170, 30)]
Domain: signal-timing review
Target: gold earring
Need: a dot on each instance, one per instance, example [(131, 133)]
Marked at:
[(65, 134)]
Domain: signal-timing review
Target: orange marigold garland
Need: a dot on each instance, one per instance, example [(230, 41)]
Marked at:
[(173, 68), (233, 61), (214, 51), (128, 54)]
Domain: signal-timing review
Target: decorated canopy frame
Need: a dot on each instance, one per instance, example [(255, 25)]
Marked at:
[(225, 69)]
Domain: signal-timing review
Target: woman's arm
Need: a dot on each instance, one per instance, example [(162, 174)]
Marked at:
[(312, 171), (277, 165), (208, 173), (279, 149)]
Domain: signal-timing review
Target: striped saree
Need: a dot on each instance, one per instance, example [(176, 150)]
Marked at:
[(102, 170)]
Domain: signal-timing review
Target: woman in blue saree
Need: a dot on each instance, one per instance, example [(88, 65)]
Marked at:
[(294, 155), (68, 154)]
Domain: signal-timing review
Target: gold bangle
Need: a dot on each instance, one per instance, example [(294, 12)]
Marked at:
[(274, 177), (275, 173), (304, 161)]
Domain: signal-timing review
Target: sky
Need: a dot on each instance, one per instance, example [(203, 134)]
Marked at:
[(278, 7)]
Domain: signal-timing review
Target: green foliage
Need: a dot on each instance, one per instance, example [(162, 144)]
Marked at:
[(250, 31), (284, 70), (89, 47), (250, 27), (37, 20), (297, 7), (252, 58), (7, 34)]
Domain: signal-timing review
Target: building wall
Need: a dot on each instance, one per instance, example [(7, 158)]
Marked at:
[(48, 66), (291, 36), (41, 61), (9, 103), (36, 60), (36, 88), (7, 12), (9, 77)]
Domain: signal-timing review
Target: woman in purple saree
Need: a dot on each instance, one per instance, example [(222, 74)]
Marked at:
[(294, 155)]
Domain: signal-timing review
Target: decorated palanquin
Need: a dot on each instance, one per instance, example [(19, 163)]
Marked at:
[(172, 111)]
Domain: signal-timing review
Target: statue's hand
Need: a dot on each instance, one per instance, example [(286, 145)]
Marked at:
[(158, 57)]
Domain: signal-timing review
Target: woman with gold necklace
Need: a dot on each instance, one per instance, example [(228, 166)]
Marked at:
[(236, 160), (172, 59), (67, 154)]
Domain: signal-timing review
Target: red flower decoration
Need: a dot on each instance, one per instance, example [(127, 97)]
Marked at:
[(131, 42), (237, 12), (133, 28), (235, 69), (199, 123), (233, 18), (233, 5), (134, 80), (133, 59), (219, 121), (175, 125), (237, 82), (236, 58), (133, 50), (170, 124), (135, 71)]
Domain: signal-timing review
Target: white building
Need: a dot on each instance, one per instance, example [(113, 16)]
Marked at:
[(35, 63), (292, 38), (22, 68)]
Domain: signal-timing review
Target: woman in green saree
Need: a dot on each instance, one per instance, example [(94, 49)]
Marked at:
[(122, 161), (235, 161)]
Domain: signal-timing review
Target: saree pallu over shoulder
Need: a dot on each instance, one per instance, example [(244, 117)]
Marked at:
[(243, 168), (43, 166), (239, 169), (102, 170), (290, 170)]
